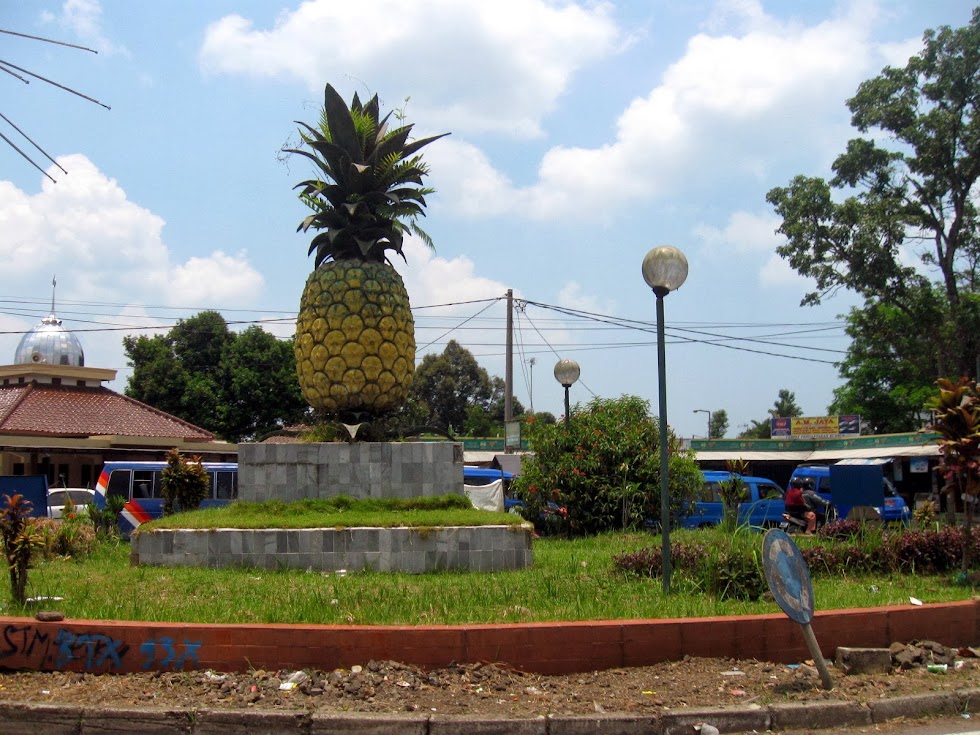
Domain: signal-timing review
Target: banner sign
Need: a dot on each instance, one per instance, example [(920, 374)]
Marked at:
[(814, 427)]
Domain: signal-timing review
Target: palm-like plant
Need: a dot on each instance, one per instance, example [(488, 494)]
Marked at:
[(355, 339)]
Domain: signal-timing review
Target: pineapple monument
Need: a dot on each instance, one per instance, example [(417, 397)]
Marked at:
[(355, 357), (355, 335)]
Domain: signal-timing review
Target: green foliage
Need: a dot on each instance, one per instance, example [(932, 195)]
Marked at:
[(105, 520), (856, 231), (604, 469), (733, 491), (18, 535), (71, 537), (729, 566), (784, 407), (239, 386), (718, 424), (368, 191), (184, 484), (458, 394)]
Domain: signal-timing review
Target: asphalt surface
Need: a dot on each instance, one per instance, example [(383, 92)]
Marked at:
[(43, 719)]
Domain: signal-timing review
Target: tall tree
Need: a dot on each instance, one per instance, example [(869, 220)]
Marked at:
[(718, 425), (238, 386), (915, 196), (785, 406)]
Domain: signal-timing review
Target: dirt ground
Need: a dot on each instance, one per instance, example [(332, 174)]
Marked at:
[(389, 687)]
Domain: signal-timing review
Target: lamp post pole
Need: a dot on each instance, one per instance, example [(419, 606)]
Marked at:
[(566, 373), (704, 410), (664, 270)]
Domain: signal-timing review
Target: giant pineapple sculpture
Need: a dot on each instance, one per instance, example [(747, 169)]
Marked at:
[(355, 336)]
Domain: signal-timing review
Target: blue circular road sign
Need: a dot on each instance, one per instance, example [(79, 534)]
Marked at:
[(788, 576)]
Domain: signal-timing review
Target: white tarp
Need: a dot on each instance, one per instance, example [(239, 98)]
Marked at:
[(486, 497)]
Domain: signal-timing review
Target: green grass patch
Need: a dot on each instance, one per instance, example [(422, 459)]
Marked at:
[(570, 580), (340, 512)]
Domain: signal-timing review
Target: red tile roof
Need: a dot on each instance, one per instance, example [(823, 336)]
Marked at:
[(41, 409)]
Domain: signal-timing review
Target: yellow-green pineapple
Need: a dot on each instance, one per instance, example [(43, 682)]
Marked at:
[(355, 336)]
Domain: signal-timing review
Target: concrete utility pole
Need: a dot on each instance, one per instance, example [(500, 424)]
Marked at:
[(509, 358)]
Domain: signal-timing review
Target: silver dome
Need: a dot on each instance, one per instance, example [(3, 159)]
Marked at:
[(49, 343)]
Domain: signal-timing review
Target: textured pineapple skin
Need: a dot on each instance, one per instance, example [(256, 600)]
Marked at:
[(355, 338)]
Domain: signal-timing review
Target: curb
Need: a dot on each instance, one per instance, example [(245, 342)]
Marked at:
[(54, 719)]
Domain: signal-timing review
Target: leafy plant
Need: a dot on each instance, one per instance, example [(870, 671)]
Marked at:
[(603, 469), (184, 484), (19, 537), (105, 520), (733, 491), (957, 421)]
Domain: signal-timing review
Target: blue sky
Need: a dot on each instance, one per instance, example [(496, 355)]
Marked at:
[(583, 135)]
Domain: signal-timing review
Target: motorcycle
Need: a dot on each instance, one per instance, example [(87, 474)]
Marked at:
[(826, 513)]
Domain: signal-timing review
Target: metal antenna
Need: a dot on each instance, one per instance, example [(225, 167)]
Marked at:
[(8, 67)]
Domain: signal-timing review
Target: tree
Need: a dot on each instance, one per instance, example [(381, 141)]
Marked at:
[(238, 386), (604, 468), (460, 395), (261, 392), (718, 425), (887, 364), (916, 196), (784, 407)]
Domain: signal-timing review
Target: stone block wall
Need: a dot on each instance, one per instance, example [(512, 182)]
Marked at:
[(412, 550), (361, 470)]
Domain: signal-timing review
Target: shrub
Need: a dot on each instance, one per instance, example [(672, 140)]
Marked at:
[(728, 569), (104, 520), (18, 534), (603, 469), (70, 537), (184, 484)]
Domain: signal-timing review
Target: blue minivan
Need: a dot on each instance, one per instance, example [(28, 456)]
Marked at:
[(763, 509)]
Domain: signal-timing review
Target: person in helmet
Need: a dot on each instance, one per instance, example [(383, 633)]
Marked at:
[(797, 505)]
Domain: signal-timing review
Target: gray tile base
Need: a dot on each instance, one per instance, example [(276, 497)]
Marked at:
[(413, 550)]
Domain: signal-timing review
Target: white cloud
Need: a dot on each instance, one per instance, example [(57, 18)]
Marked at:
[(510, 59), (743, 233), (84, 19), (86, 226)]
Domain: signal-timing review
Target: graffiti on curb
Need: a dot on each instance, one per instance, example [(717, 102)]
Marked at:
[(170, 659), (95, 651)]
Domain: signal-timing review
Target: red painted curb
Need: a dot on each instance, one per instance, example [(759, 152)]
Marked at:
[(106, 646)]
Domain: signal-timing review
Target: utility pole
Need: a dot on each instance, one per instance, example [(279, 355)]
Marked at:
[(530, 387), (509, 358)]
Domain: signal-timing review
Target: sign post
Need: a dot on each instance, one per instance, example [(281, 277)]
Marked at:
[(789, 582)]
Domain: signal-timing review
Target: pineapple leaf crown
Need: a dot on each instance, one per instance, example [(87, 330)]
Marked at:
[(369, 192)]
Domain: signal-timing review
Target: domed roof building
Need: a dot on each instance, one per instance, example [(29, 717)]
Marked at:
[(58, 419)]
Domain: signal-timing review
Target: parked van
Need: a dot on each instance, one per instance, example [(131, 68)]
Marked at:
[(894, 509), (763, 509)]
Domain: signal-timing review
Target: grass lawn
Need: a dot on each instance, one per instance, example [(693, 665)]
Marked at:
[(570, 580)]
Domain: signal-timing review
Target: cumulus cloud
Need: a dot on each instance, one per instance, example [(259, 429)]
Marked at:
[(510, 60), (744, 232), (104, 248), (84, 19)]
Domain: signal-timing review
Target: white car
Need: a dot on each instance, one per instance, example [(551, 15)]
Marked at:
[(57, 497)]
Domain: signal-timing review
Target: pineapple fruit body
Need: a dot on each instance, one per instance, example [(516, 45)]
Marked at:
[(355, 338)]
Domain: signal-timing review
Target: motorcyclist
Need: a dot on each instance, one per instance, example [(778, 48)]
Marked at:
[(797, 505)]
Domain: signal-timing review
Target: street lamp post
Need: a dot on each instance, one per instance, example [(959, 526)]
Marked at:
[(566, 373), (664, 270), (704, 410)]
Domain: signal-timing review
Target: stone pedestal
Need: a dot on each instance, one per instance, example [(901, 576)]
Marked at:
[(361, 470)]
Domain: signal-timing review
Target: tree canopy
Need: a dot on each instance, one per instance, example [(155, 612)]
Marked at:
[(785, 406), (897, 224), (718, 424), (237, 385), (459, 395)]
